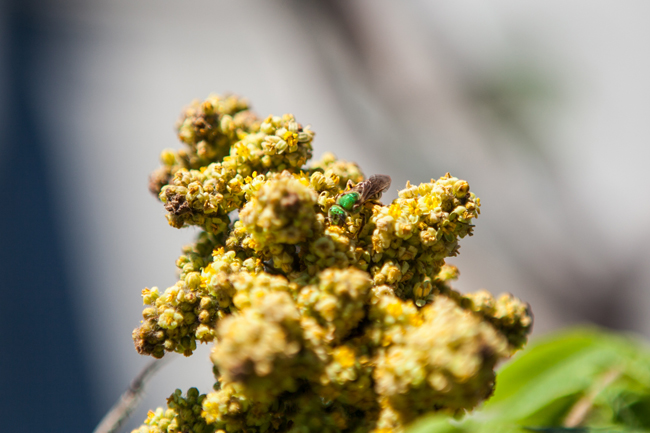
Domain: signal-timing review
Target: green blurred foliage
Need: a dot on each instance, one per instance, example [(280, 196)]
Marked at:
[(580, 380)]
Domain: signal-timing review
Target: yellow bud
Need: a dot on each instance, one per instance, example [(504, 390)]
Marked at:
[(168, 157)]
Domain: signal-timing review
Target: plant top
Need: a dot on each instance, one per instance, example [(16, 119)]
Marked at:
[(328, 311)]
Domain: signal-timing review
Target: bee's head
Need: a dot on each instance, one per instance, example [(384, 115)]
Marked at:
[(337, 215)]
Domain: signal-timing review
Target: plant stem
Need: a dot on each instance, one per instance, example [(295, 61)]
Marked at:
[(121, 411), (581, 408)]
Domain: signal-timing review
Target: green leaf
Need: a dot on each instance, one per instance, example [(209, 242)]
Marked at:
[(537, 360), (573, 376), (561, 368), (435, 424)]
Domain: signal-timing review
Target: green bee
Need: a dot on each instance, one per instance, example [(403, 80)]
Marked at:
[(351, 200)]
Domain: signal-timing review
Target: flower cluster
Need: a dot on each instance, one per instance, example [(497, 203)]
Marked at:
[(280, 212), (183, 414), (317, 326)]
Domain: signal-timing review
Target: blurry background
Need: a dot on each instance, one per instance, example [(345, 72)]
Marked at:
[(543, 107)]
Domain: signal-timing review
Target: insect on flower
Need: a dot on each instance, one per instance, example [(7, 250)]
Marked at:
[(350, 201)]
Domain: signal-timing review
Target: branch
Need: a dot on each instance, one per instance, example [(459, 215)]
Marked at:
[(127, 403)]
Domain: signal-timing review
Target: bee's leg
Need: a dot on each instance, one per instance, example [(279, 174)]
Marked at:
[(363, 224), (349, 185), (367, 211)]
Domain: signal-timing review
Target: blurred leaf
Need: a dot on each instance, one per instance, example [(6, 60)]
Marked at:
[(579, 430), (589, 379), (554, 412), (540, 358)]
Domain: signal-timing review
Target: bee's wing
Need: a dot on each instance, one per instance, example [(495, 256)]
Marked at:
[(374, 186)]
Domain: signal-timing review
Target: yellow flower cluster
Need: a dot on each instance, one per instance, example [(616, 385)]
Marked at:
[(185, 312), (183, 414), (209, 128), (280, 212), (446, 362), (344, 171), (317, 326), (227, 145), (507, 314), (414, 235)]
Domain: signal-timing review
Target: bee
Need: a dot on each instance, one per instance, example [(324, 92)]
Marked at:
[(351, 200)]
